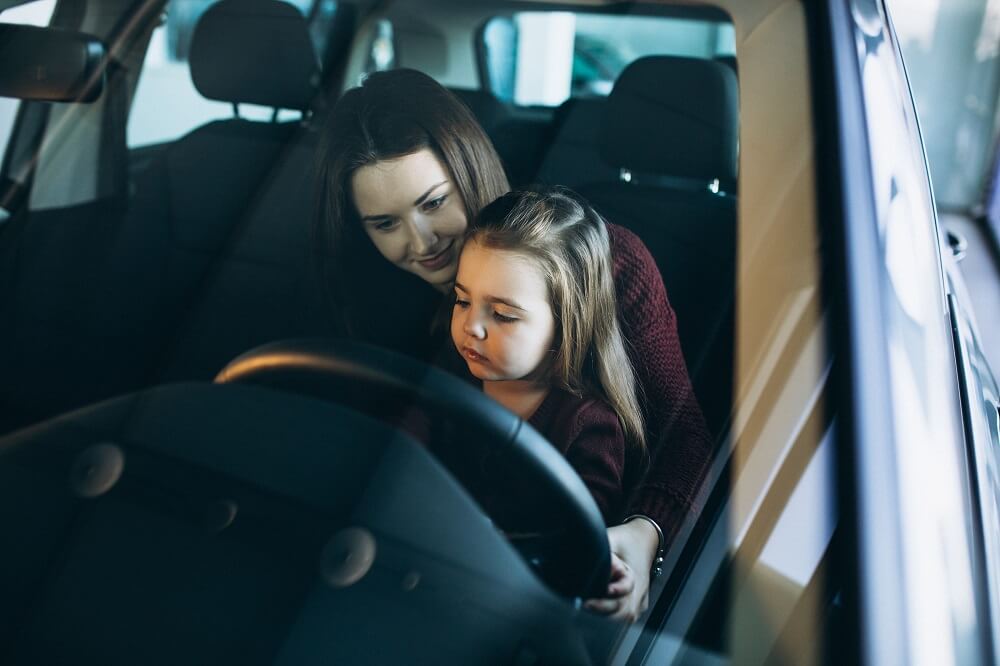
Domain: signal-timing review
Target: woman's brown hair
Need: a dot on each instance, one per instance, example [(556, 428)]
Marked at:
[(391, 114), (568, 241)]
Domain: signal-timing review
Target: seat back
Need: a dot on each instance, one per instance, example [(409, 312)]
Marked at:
[(670, 134), (233, 268), (573, 157), (205, 258)]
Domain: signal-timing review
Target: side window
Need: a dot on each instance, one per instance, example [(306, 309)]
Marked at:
[(37, 13), (545, 58), (982, 424), (166, 104)]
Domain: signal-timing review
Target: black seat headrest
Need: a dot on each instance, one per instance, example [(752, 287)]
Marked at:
[(485, 106), (674, 116), (255, 52)]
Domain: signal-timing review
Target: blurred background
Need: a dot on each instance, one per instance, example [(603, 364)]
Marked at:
[(951, 50)]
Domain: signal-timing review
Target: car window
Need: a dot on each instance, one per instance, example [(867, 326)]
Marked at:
[(544, 58), (958, 114), (981, 398), (166, 79), (39, 13), (209, 257)]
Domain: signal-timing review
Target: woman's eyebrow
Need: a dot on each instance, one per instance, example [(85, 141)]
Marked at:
[(423, 197), (378, 217)]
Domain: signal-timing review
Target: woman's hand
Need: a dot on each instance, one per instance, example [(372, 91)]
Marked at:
[(633, 547)]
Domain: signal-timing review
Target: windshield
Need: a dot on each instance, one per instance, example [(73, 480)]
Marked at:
[(220, 196)]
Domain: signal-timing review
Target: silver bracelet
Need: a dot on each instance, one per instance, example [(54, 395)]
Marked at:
[(657, 567)]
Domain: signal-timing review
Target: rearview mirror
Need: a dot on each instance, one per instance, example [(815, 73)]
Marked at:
[(49, 64)]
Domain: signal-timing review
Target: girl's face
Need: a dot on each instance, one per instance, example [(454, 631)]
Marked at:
[(413, 213), (502, 323)]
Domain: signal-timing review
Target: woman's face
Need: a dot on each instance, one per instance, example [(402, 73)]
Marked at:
[(414, 214), (502, 323)]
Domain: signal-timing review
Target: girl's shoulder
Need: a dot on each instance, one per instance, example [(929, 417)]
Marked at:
[(565, 417)]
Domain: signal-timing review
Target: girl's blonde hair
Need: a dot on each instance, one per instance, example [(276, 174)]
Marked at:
[(569, 243)]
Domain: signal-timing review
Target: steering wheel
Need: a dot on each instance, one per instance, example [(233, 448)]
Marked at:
[(568, 542)]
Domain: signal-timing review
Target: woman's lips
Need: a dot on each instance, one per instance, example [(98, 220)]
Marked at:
[(438, 261)]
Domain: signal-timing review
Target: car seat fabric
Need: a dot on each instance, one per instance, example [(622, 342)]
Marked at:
[(682, 119), (206, 256), (670, 132), (240, 195), (485, 106), (254, 51), (517, 134), (573, 157)]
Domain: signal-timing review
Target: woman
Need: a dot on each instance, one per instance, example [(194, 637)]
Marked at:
[(403, 168)]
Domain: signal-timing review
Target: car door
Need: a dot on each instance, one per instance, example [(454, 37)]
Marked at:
[(916, 546)]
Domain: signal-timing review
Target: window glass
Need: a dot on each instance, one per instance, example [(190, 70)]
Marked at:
[(952, 52), (166, 104), (543, 58), (741, 267), (33, 13)]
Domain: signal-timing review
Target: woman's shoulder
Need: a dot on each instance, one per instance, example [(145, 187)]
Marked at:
[(629, 254)]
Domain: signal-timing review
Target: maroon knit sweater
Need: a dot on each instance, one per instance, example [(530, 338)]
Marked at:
[(678, 439), (587, 432)]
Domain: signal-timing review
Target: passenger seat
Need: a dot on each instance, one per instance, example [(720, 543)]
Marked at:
[(670, 133), (217, 252), (573, 158)]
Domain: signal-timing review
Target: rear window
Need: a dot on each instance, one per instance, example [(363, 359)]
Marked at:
[(545, 58)]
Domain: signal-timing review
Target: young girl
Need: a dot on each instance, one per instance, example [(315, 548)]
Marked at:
[(534, 319)]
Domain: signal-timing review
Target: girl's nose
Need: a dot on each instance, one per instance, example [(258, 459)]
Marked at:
[(474, 327)]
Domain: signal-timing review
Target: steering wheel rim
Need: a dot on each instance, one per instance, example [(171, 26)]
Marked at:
[(354, 373)]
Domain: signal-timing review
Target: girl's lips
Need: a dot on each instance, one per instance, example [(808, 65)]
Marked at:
[(439, 260), (473, 355)]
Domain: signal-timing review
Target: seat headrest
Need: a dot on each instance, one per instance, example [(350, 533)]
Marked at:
[(485, 106), (256, 52), (674, 116)]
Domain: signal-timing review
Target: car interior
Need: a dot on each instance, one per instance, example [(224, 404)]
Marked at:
[(131, 276)]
